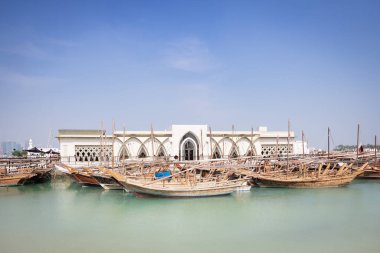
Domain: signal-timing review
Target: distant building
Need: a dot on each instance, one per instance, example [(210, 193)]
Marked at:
[(7, 147), (30, 144), (184, 142)]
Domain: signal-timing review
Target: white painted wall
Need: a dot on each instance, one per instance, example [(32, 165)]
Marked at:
[(172, 143), (297, 147)]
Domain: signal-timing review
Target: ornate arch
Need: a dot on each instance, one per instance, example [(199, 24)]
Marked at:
[(189, 137), (247, 151), (215, 148), (234, 152), (217, 153), (143, 152), (222, 147), (124, 152), (148, 142), (133, 145), (161, 152)]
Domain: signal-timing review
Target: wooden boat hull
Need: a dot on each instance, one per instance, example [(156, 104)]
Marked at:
[(62, 169), (84, 179), (370, 175), (184, 192), (341, 178), (112, 186), (373, 172), (14, 180), (312, 183), (108, 183), (244, 188), (41, 176)]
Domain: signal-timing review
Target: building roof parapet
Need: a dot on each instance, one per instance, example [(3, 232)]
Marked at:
[(80, 132), (143, 133), (250, 133)]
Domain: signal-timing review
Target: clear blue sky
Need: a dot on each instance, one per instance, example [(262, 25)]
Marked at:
[(72, 64)]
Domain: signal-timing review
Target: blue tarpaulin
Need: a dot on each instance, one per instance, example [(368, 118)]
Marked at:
[(162, 174)]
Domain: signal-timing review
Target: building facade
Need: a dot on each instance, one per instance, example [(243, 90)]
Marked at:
[(183, 142)]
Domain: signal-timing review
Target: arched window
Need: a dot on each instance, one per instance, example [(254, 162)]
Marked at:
[(143, 153), (123, 153), (216, 155), (250, 152), (161, 152), (233, 153)]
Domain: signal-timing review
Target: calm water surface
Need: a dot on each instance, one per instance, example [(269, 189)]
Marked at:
[(64, 217)]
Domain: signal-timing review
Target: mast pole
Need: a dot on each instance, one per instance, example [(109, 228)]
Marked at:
[(124, 146), (375, 150), (328, 143), (233, 139), (277, 146), (357, 143), (251, 142), (223, 146), (287, 153), (152, 137), (303, 145), (202, 144), (210, 145), (101, 144), (113, 143)]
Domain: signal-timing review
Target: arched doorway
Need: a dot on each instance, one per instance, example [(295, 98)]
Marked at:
[(189, 147), (189, 151)]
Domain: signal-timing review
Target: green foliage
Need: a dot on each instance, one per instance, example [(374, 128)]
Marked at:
[(19, 153)]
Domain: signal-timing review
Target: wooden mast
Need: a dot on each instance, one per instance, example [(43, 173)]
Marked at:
[(113, 143), (152, 137), (277, 146), (202, 144), (375, 149), (210, 145), (357, 143), (124, 146), (287, 153), (233, 140), (223, 146), (328, 143), (303, 145), (101, 144), (251, 141)]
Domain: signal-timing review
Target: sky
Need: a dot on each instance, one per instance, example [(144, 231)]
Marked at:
[(74, 64)]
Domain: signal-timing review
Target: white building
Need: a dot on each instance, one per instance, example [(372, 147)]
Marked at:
[(187, 142), (298, 149)]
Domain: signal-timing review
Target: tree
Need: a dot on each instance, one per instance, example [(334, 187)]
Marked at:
[(19, 153)]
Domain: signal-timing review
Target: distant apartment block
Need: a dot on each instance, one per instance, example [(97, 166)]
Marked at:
[(7, 147)]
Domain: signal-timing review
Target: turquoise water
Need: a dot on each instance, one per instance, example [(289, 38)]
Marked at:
[(64, 217)]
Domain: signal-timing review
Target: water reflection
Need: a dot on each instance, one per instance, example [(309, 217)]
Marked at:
[(270, 220)]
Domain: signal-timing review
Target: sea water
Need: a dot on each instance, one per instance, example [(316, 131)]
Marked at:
[(62, 216)]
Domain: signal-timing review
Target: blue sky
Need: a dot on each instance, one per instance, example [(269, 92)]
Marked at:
[(73, 64)]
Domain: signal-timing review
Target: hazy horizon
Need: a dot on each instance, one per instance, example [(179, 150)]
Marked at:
[(73, 64)]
